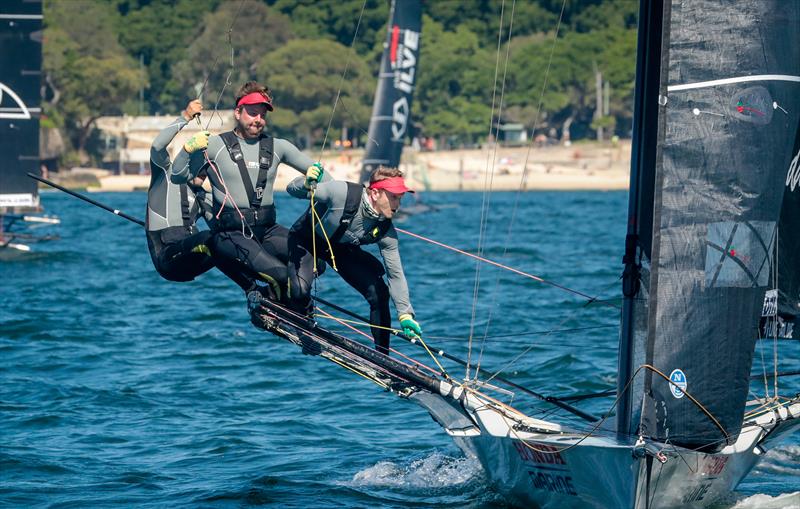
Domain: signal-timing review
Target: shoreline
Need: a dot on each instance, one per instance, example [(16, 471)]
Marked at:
[(583, 166)]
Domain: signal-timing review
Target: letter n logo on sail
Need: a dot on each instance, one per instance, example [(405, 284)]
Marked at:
[(678, 385)]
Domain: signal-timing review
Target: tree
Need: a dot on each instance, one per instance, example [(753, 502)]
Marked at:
[(86, 64), (454, 73), (305, 75), (254, 30), (162, 49)]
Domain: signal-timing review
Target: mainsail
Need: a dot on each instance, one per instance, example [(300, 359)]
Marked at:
[(20, 76), (391, 110), (729, 106)]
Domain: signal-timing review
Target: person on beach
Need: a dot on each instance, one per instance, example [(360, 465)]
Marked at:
[(178, 249), (247, 243), (350, 215)]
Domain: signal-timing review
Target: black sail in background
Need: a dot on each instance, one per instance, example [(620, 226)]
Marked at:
[(782, 305), (20, 81), (730, 101), (391, 110)]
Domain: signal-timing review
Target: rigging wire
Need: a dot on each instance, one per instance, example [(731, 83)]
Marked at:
[(523, 177), (586, 296), (484, 207), (341, 79), (494, 161), (524, 352), (775, 268), (230, 70)]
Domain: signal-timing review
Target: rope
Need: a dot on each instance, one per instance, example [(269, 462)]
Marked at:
[(341, 80), (494, 159), (692, 398), (324, 234), (226, 197), (484, 207), (214, 66), (506, 267), (345, 321), (525, 165)]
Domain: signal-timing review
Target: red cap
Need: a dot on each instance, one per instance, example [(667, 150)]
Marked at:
[(394, 185), (255, 98)]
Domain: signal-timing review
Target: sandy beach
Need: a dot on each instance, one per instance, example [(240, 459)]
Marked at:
[(581, 166)]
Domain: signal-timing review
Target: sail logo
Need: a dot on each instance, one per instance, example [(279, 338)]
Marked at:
[(753, 105), (17, 110), (677, 383), (403, 60), (793, 175)]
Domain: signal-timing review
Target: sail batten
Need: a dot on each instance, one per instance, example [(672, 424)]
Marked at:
[(728, 112)]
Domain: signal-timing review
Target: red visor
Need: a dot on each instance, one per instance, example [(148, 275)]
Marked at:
[(394, 185), (255, 98)]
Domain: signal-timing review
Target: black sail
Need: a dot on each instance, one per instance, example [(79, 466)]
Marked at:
[(782, 304), (391, 110), (20, 82), (730, 106)]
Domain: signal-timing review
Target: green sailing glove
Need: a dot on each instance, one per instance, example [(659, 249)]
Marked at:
[(313, 174), (410, 327)]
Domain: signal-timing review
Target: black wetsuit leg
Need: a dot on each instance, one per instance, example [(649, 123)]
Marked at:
[(246, 261), (178, 255), (365, 273), (301, 273)]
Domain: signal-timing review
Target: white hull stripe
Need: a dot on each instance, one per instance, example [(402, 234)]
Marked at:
[(728, 81)]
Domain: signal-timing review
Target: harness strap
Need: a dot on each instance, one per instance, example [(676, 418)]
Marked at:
[(351, 204), (266, 148), (186, 212)]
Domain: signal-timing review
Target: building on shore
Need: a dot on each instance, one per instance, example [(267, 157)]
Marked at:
[(127, 140)]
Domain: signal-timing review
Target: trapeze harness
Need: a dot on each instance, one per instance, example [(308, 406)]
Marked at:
[(351, 205), (255, 215)]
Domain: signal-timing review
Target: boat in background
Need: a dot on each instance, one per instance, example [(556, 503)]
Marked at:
[(20, 85), (390, 123)]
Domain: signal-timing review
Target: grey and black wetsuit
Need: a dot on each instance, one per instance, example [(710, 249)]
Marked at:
[(178, 249), (249, 247), (350, 222)]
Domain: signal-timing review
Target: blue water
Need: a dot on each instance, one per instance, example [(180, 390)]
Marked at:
[(119, 388)]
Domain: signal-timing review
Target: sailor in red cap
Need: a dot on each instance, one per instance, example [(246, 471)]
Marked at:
[(247, 244), (352, 215)]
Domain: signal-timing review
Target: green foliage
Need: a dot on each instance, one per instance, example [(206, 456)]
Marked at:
[(257, 29), (94, 52), (87, 66), (305, 76), (178, 22)]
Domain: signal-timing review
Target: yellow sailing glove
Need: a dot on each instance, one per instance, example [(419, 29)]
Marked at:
[(197, 142), (313, 175), (410, 327)]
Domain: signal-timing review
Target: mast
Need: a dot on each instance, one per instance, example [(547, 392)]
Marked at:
[(20, 81), (391, 109), (638, 240)]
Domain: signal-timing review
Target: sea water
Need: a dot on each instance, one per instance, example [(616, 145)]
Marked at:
[(118, 388)]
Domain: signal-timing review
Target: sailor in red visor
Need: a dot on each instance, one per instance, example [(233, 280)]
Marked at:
[(352, 216), (247, 244)]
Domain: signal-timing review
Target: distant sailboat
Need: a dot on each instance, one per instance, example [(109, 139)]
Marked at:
[(390, 123), (717, 110), (20, 82)]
